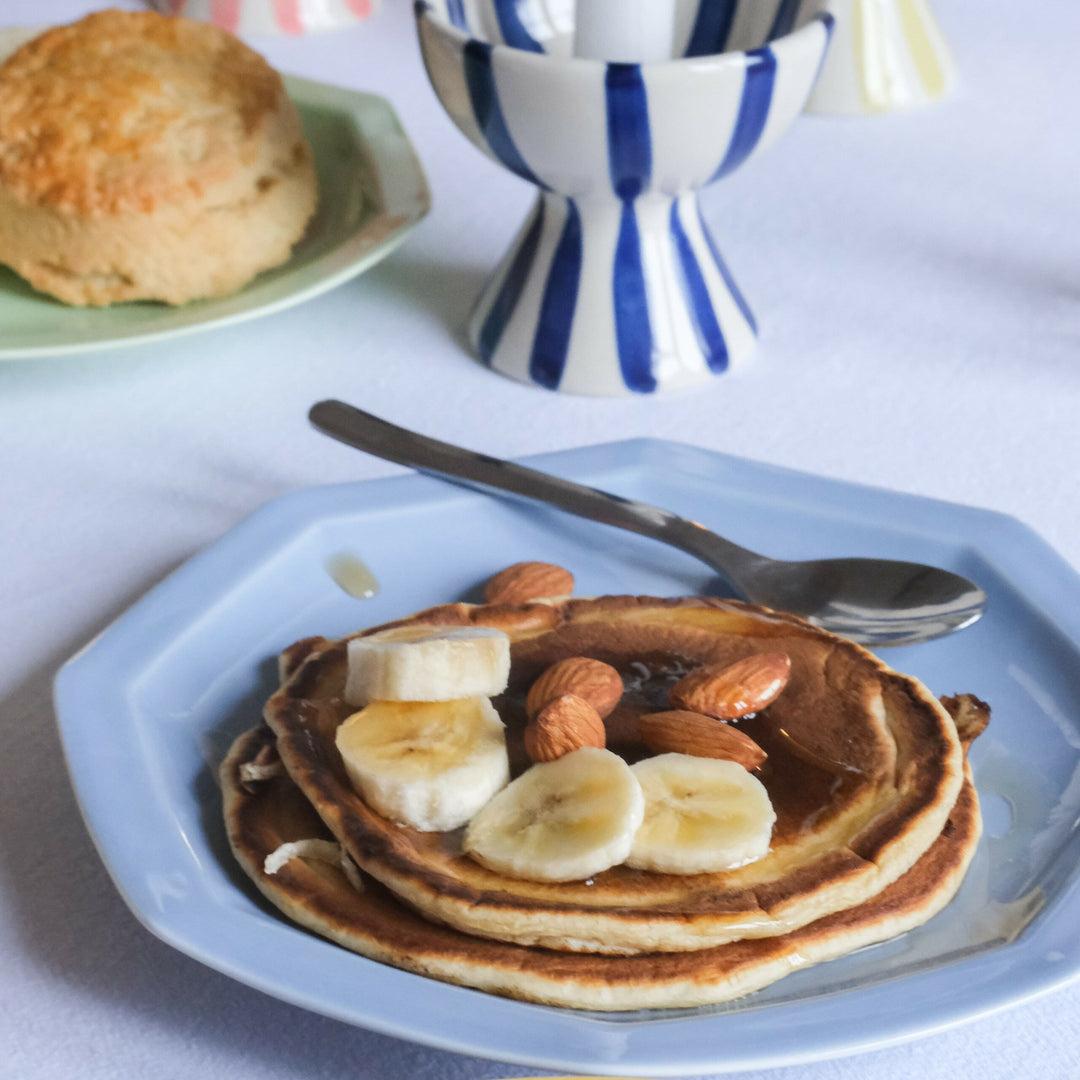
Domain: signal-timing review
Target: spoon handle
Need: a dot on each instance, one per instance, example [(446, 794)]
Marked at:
[(392, 443)]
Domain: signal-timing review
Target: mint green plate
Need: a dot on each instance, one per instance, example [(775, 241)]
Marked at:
[(372, 193)]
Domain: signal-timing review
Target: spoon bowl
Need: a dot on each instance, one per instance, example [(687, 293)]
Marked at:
[(875, 602)]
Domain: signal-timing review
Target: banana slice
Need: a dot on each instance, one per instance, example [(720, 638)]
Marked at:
[(430, 765), (426, 663), (564, 820), (701, 815)]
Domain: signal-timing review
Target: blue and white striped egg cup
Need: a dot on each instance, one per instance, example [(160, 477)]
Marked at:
[(613, 285)]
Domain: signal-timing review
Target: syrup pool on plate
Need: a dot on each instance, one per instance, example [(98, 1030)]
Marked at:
[(353, 575)]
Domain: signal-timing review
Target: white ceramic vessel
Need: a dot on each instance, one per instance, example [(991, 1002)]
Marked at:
[(886, 55), (613, 285)]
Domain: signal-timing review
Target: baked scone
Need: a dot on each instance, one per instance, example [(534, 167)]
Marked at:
[(144, 157)]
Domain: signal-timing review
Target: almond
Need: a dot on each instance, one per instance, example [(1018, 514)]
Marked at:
[(733, 691), (591, 680), (563, 725), (525, 581), (680, 732)]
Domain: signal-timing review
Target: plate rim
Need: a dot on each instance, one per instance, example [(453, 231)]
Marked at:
[(355, 104), (657, 1046)]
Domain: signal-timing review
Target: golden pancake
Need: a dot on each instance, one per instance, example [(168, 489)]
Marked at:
[(261, 815), (864, 768)]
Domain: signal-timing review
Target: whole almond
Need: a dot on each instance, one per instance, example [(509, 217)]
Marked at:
[(591, 680), (680, 732), (525, 581), (733, 691), (563, 725)]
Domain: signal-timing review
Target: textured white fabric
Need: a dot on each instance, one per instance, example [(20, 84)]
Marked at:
[(917, 278)]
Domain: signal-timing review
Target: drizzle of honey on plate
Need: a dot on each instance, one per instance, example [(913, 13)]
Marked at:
[(353, 575)]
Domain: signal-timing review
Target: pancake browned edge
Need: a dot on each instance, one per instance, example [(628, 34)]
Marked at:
[(864, 767), (262, 815)]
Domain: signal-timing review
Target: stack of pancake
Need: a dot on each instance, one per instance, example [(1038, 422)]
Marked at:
[(877, 818)]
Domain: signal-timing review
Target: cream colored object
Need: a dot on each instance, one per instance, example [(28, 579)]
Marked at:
[(563, 820), (327, 851), (434, 664), (147, 158), (430, 765), (885, 56), (701, 815)]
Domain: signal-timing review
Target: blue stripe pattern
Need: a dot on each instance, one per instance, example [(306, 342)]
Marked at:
[(484, 97), (710, 336), (664, 310), (712, 26), (633, 334), (506, 302), (455, 10), (829, 22), (552, 341), (629, 140), (753, 109), (630, 164), (512, 28), (725, 273), (785, 19)]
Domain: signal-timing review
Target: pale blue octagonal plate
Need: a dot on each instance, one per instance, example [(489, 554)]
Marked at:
[(157, 698)]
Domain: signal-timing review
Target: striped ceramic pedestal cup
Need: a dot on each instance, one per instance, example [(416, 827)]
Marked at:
[(614, 285), (887, 55)]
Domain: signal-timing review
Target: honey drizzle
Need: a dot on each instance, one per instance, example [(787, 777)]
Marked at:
[(353, 575)]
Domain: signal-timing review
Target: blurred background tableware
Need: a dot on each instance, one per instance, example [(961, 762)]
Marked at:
[(886, 56), (273, 16), (614, 285)]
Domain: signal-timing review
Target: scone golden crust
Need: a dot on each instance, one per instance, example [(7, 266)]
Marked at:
[(147, 157), (864, 766)]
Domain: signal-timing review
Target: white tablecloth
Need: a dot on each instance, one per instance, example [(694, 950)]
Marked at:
[(917, 278)]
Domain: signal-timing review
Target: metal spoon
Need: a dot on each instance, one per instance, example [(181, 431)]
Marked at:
[(873, 601)]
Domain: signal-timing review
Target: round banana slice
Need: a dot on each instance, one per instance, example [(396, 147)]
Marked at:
[(701, 815), (430, 765), (408, 663), (564, 820)]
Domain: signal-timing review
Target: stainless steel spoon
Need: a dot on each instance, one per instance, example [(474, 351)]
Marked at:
[(873, 601)]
